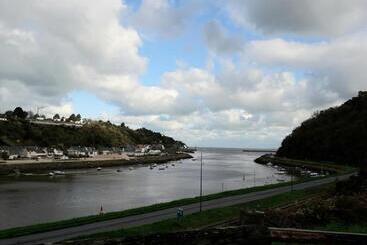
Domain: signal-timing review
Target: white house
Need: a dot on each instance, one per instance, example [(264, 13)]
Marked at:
[(37, 153), (154, 152), (53, 152)]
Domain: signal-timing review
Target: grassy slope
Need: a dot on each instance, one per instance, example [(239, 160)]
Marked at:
[(354, 228)]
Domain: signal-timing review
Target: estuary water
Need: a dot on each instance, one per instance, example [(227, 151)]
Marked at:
[(31, 199)]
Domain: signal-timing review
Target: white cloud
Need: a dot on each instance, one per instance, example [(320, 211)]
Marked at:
[(52, 48), (336, 67)]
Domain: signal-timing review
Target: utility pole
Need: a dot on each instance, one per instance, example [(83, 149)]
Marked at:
[(292, 173), (254, 176), (201, 179)]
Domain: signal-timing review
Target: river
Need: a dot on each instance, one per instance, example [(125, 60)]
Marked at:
[(27, 200)]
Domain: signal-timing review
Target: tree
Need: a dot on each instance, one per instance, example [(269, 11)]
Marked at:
[(56, 117), (72, 117), (19, 113), (8, 114), (4, 155), (78, 117)]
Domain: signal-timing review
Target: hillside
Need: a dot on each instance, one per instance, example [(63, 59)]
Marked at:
[(338, 134), (105, 134)]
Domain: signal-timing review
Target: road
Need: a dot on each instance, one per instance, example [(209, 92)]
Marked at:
[(148, 218)]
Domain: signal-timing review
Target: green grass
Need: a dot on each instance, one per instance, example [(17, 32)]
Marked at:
[(199, 220), (38, 228), (354, 228)]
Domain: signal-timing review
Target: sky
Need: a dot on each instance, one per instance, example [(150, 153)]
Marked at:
[(234, 73)]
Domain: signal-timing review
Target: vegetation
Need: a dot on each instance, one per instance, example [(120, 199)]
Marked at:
[(338, 134), (342, 208), (342, 227), (19, 131), (212, 216)]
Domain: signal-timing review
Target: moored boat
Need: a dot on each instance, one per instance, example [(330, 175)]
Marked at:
[(59, 172)]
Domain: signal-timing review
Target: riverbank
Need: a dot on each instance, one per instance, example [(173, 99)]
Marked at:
[(303, 164), (8, 167)]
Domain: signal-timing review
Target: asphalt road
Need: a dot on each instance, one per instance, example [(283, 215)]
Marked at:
[(148, 218)]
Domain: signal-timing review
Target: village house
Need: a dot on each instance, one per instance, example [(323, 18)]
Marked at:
[(90, 151), (75, 151), (142, 148), (104, 151), (16, 152), (35, 152), (154, 152), (78, 151), (55, 153)]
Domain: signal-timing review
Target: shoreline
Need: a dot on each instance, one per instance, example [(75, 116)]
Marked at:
[(6, 168), (310, 165)]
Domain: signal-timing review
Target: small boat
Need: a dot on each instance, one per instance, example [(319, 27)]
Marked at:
[(99, 168), (118, 170), (151, 167), (194, 159), (131, 168), (314, 174), (161, 168), (51, 174), (154, 165), (166, 165), (172, 164), (59, 172)]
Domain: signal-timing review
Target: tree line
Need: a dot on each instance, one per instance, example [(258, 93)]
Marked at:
[(19, 113)]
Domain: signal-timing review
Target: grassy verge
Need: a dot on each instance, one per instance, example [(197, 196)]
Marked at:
[(354, 228), (198, 220), (44, 227)]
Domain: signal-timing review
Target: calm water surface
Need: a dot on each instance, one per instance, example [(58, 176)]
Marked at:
[(28, 200)]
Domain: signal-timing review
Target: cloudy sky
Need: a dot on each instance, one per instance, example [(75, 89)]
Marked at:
[(234, 73)]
